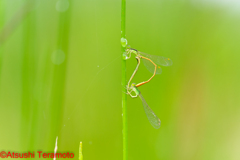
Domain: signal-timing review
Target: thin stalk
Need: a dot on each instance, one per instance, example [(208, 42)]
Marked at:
[(59, 74), (80, 152), (124, 84), (29, 106)]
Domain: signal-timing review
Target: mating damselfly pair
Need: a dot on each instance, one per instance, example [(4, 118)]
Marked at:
[(152, 63)]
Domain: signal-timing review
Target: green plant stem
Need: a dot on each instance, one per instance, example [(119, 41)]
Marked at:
[(59, 75), (124, 84), (29, 123)]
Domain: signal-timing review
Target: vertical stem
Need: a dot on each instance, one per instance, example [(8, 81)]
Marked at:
[(124, 96), (59, 73), (29, 107), (80, 152)]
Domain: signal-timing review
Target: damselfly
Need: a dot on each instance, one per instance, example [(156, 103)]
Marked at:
[(152, 117)]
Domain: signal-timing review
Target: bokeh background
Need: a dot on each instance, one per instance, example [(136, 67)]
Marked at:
[(60, 76)]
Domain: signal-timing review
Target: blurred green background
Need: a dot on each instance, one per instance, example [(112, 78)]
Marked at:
[(60, 75)]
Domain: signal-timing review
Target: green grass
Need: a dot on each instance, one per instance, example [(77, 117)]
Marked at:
[(29, 107), (59, 73)]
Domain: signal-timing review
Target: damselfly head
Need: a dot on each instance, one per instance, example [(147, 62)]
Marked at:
[(133, 91)]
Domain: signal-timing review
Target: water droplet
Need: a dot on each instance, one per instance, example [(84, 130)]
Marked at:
[(124, 56), (58, 57), (90, 142), (62, 5), (122, 114), (98, 66), (124, 42)]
